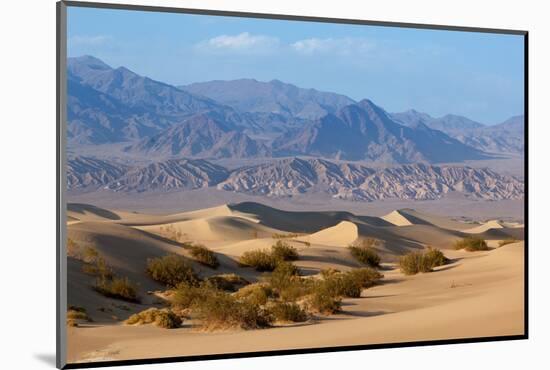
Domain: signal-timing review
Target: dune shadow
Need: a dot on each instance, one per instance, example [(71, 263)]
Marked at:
[(81, 208), (390, 281), (160, 238), (365, 313), (380, 296), (330, 259), (446, 267)]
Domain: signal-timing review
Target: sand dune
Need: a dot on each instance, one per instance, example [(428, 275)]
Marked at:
[(340, 235), (492, 224), (463, 299), (397, 218), (459, 301)]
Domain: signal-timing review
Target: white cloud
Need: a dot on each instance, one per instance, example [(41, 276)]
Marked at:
[(79, 40), (243, 42), (340, 46)]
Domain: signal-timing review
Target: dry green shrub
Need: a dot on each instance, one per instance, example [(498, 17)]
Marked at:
[(434, 257), (77, 313), (324, 301), (98, 267), (171, 270), (257, 294), (284, 251), (162, 318), (286, 282), (216, 309), (417, 261), (471, 244), (366, 276), (229, 282), (73, 249), (120, 288), (364, 251), (204, 256), (325, 273), (186, 295), (261, 260), (287, 312), (285, 236)]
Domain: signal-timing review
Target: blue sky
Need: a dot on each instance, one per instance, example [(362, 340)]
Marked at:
[(438, 72)]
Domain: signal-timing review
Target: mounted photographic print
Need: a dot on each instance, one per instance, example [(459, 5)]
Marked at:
[(236, 184)]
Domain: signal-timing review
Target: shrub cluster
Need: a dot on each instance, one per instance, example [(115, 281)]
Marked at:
[(287, 312), (283, 251), (417, 261), (264, 260), (218, 310), (162, 318), (471, 244), (76, 314), (116, 287), (230, 282), (364, 251), (257, 293), (204, 256), (171, 270)]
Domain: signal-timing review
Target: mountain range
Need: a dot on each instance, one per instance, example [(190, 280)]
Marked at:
[(251, 119), (291, 177)]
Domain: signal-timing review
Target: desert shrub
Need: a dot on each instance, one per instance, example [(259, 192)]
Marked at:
[(171, 270), (434, 257), (471, 244), (162, 318), (366, 276), (507, 241), (98, 267), (324, 301), (230, 282), (286, 283), (342, 284), (185, 294), (73, 248), (285, 236), (257, 294), (415, 262), (72, 323), (284, 252), (287, 312), (365, 252), (325, 273), (261, 260), (167, 320), (77, 313), (219, 310), (204, 256), (120, 288)]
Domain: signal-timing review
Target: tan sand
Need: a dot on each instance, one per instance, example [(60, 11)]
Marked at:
[(340, 235), (478, 294), (492, 224), (481, 294)]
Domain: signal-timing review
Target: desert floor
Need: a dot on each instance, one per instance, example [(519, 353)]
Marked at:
[(477, 294)]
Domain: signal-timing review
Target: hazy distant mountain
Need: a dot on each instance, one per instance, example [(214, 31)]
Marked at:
[(169, 175), (248, 95), (364, 131), (85, 172), (447, 123), (507, 137), (113, 105), (291, 177), (206, 135)]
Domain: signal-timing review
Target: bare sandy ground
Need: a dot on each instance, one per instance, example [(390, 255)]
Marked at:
[(478, 294)]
